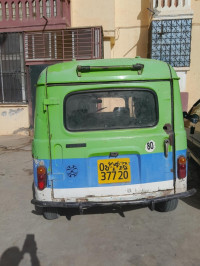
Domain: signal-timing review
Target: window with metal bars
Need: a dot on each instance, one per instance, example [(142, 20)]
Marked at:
[(12, 74), (63, 45)]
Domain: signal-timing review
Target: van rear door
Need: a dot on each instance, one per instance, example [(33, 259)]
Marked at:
[(111, 141)]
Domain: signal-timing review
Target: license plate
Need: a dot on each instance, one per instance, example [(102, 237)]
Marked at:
[(114, 171)]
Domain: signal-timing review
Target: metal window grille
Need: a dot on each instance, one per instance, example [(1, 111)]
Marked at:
[(63, 45), (171, 41), (12, 75)]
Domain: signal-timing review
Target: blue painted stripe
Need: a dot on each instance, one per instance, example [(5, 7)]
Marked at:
[(82, 172)]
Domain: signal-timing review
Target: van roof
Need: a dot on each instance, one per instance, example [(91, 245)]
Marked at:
[(105, 70)]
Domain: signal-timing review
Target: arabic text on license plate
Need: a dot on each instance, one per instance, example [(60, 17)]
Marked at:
[(114, 171)]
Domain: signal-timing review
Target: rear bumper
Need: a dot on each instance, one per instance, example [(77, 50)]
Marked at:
[(90, 204)]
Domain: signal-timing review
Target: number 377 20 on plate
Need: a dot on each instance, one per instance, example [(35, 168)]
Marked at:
[(114, 171)]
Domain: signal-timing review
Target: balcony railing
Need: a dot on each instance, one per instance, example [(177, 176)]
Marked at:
[(172, 8), (26, 15)]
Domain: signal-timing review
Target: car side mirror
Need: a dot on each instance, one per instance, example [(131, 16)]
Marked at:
[(194, 118)]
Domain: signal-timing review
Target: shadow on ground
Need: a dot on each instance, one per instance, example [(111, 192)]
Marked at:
[(13, 255), (193, 182), (100, 210)]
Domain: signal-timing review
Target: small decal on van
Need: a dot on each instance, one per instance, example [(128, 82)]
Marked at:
[(72, 170), (150, 146)]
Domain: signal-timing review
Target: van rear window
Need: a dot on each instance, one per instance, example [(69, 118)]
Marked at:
[(116, 109)]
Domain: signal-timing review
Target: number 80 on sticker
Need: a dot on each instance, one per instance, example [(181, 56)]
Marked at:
[(150, 146)]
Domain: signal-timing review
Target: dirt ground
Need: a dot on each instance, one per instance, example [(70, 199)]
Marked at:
[(100, 237)]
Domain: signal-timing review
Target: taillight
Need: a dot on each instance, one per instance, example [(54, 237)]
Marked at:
[(181, 167), (41, 177)]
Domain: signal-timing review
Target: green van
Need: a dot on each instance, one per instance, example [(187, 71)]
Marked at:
[(109, 132)]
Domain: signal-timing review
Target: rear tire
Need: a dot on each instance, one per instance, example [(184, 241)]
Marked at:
[(50, 213), (166, 206)]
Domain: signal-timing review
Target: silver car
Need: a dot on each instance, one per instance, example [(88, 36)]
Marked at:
[(192, 126)]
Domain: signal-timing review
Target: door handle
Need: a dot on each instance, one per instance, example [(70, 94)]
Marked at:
[(168, 129), (166, 147)]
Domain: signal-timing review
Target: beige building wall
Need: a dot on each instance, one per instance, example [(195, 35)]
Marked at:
[(14, 119), (125, 24), (132, 20), (193, 75), (93, 13)]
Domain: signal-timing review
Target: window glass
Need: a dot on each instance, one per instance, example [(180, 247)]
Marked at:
[(97, 110)]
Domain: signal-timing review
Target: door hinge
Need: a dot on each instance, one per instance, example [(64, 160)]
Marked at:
[(50, 101)]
